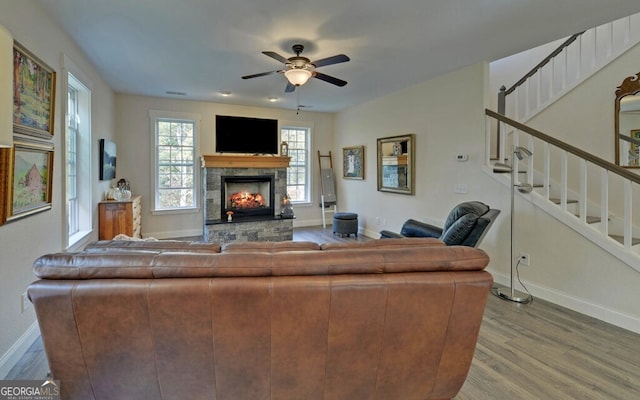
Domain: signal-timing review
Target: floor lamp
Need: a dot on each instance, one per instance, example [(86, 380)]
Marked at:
[(520, 153)]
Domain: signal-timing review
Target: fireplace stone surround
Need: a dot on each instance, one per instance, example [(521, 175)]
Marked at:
[(260, 228)]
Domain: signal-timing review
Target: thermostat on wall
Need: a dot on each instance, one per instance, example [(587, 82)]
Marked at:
[(462, 157)]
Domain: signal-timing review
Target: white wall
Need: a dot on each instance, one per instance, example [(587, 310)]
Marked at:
[(134, 146), (507, 71), (447, 116), (22, 241)]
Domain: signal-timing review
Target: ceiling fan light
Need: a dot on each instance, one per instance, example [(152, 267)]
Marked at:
[(297, 76)]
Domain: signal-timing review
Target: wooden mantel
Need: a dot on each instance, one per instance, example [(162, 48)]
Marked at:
[(237, 161)]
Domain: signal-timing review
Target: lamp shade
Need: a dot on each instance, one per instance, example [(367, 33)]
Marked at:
[(6, 88), (501, 168), (297, 76), (522, 152)]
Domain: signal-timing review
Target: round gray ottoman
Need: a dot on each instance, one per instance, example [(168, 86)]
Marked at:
[(345, 223)]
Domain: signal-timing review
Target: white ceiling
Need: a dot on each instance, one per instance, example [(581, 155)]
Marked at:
[(203, 47)]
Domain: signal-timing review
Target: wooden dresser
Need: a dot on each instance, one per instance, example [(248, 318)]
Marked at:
[(116, 217)]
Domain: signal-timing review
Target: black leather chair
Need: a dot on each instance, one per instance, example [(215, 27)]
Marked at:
[(466, 225)]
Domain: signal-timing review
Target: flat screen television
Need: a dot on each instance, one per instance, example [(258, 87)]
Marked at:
[(246, 135)]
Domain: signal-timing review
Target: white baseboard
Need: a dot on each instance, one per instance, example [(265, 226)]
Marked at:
[(308, 222), (370, 233), (580, 305), (19, 348)]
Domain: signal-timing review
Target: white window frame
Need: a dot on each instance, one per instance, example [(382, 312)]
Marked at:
[(308, 166), (75, 78), (72, 155), (156, 116)]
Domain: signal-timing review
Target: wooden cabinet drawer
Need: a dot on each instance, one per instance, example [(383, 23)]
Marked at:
[(119, 217)]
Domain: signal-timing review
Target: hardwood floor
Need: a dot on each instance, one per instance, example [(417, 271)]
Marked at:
[(524, 352), (319, 235), (544, 351)]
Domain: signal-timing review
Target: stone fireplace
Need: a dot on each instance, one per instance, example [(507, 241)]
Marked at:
[(252, 187)]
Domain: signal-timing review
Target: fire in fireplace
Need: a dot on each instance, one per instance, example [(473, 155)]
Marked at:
[(246, 200), (248, 196)]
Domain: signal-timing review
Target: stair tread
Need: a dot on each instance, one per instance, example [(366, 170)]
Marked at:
[(619, 238), (593, 220), (557, 201), (590, 219)]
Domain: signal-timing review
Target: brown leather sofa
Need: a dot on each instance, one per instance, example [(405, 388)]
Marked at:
[(386, 319)]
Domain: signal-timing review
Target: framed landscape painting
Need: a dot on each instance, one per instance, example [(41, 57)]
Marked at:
[(29, 184), (34, 94), (353, 162)]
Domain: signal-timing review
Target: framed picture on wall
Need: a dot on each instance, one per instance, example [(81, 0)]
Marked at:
[(107, 160), (396, 164), (634, 149), (34, 94), (353, 162), (29, 186), (5, 160)]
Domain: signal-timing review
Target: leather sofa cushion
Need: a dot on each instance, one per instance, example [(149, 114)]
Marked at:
[(159, 246), (143, 264), (390, 243), (269, 247)]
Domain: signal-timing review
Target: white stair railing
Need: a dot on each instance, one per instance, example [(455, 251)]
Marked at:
[(600, 213), (575, 60)]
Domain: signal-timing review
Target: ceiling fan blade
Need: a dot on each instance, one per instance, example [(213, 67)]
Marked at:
[(290, 88), (275, 56), (330, 79), (340, 58), (260, 74)]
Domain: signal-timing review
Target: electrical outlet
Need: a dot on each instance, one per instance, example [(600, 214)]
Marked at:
[(460, 188), (25, 302), (524, 259)]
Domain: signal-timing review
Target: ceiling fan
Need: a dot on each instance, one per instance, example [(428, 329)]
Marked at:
[(299, 69)]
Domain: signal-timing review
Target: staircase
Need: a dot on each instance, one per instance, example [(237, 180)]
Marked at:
[(566, 180)]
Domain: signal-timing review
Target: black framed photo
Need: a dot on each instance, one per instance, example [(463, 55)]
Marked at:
[(107, 160)]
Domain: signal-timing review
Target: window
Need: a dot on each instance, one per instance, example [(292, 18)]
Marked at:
[(298, 173), (78, 182), (176, 183), (72, 160)]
